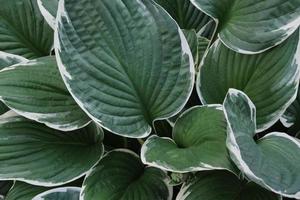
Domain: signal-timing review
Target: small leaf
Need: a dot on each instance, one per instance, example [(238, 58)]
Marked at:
[(273, 161), (198, 143), (36, 154), (63, 193), (252, 26), (48, 9), (256, 75), (221, 185), (36, 90), (24, 191), (121, 175), (23, 30), (127, 70)]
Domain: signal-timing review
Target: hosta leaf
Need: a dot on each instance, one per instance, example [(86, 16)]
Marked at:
[(23, 30), (36, 90), (24, 191), (36, 154), (185, 13), (270, 79), (199, 143), (221, 185), (121, 175), (127, 70), (64, 193), (251, 26), (273, 161), (48, 9)]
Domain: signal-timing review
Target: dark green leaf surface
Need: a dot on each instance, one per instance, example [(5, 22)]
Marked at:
[(36, 90), (36, 154), (127, 70), (24, 191), (64, 193), (270, 79), (273, 161), (199, 143), (252, 26), (221, 185), (23, 30), (48, 9), (121, 175)]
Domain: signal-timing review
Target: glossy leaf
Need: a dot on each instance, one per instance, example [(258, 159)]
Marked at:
[(23, 30), (221, 185), (198, 143), (24, 191), (252, 26), (64, 193), (270, 79), (36, 154), (48, 9), (121, 175), (127, 70), (36, 90), (273, 161)]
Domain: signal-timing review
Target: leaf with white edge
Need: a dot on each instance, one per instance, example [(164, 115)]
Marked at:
[(199, 143), (48, 9), (121, 175), (185, 13), (35, 89), (221, 185), (23, 30), (252, 26), (24, 142), (273, 161), (24, 191), (270, 79), (127, 70), (63, 193)]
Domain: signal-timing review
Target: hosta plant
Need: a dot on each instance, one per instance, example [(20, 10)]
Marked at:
[(149, 99)]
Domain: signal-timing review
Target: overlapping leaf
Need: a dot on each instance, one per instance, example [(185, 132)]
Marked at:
[(36, 154), (252, 26), (24, 191), (198, 143), (126, 62), (23, 30), (64, 193), (270, 79), (48, 9), (121, 175), (36, 90), (273, 161)]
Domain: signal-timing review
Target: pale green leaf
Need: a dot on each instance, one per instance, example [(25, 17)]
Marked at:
[(63, 193)]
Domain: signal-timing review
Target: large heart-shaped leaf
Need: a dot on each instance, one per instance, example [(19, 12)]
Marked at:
[(273, 161), (252, 26), (270, 79), (64, 193), (24, 191), (221, 185), (23, 30), (127, 70), (121, 175), (36, 90), (48, 9), (36, 154), (199, 143)]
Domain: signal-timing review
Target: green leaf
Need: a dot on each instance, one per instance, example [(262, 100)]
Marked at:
[(199, 143), (48, 9), (5, 187), (185, 13), (270, 79), (24, 191), (252, 26), (221, 185), (36, 154), (63, 193), (273, 161), (36, 90), (23, 30), (127, 70), (121, 175)]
